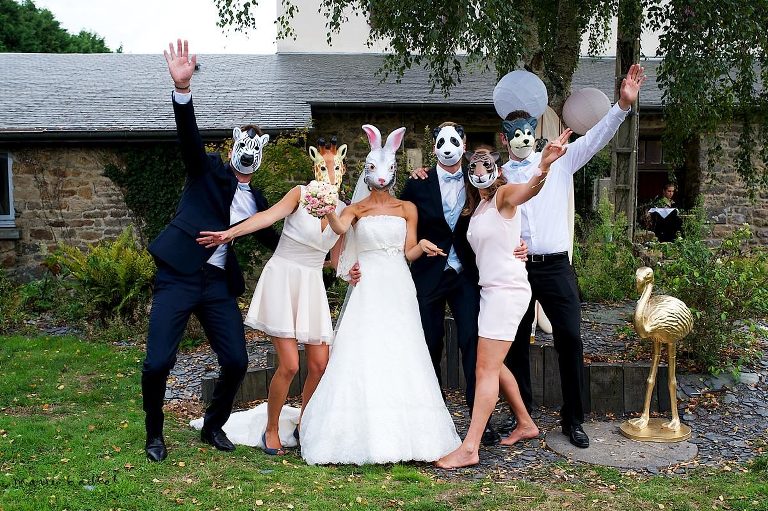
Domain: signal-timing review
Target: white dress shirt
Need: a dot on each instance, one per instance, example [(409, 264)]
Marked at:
[(545, 217), (243, 204), (451, 191)]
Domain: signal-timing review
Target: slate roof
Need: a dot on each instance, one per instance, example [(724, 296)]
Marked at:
[(101, 95)]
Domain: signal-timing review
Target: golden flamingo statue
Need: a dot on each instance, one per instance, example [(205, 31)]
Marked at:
[(664, 320)]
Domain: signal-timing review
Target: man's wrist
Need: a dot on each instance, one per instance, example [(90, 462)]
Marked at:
[(182, 88)]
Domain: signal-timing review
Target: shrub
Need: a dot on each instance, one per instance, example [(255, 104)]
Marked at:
[(603, 259), (111, 279), (11, 303), (725, 287)]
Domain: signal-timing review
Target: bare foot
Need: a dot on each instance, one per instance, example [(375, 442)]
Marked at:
[(458, 458), (521, 433)]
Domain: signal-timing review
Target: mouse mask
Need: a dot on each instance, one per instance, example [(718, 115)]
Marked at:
[(521, 136), (247, 150), (449, 144)]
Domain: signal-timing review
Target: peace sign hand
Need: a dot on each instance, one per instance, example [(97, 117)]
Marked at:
[(555, 149), (181, 64)]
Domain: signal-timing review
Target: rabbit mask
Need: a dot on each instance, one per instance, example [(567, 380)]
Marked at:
[(246, 150), (328, 162), (381, 162), (483, 170), (449, 144), (521, 135)]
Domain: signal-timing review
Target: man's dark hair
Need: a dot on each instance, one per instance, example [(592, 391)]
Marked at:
[(253, 127), (517, 114)]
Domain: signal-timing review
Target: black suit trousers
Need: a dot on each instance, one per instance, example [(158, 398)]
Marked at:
[(463, 297), (553, 284), (206, 295)]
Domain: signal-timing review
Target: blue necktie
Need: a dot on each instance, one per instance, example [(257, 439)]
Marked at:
[(453, 177), (244, 187)]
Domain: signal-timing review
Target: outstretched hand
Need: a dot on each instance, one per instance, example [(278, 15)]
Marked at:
[(210, 239), (555, 149), (630, 86), (181, 64)]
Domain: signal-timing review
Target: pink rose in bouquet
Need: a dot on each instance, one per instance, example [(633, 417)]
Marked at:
[(320, 198)]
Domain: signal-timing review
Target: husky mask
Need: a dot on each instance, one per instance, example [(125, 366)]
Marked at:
[(483, 169), (449, 144), (247, 149), (521, 136), (381, 162), (329, 157)]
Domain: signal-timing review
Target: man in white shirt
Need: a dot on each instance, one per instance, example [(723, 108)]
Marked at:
[(546, 232)]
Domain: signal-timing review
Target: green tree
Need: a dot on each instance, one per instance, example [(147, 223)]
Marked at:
[(25, 28), (715, 51)]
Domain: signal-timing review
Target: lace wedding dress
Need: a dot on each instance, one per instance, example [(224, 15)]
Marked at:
[(379, 400)]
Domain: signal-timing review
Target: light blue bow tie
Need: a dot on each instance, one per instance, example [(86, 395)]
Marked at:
[(517, 164), (457, 176), (244, 187)]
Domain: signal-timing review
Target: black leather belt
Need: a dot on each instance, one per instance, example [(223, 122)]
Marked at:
[(541, 258)]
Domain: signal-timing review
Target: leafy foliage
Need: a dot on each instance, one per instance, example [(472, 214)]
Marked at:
[(603, 259), (714, 75), (111, 279), (151, 179), (11, 304), (25, 28), (494, 34), (725, 287)]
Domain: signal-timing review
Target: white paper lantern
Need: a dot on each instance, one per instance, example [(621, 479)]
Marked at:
[(520, 90), (584, 108)]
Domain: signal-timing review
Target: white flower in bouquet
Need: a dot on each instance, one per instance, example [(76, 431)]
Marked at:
[(320, 198)]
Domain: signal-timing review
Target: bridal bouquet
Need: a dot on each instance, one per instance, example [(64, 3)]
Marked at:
[(320, 198)]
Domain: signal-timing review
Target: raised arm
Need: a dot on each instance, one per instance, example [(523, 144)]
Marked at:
[(341, 224), (584, 148), (181, 66), (511, 195), (258, 221), (413, 248)]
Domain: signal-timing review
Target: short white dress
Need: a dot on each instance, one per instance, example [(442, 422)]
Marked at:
[(290, 299), (505, 292)]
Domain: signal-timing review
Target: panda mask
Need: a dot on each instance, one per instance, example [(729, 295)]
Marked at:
[(246, 150), (449, 144), (521, 136)]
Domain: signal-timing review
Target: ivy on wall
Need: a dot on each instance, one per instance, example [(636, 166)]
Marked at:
[(152, 177)]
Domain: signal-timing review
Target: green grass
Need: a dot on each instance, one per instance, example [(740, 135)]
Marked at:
[(71, 437)]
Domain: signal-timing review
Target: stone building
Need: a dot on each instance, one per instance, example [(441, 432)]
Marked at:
[(63, 118)]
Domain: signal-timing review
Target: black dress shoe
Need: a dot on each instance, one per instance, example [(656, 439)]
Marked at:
[(577, 436), (490, 437), (508, 426), (155, 448), (218, 439)]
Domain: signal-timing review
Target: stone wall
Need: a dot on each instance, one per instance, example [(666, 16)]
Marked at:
[(724, 194), (60, 196)]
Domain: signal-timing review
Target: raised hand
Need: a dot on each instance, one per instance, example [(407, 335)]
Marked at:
[(555, 149), (181, 64), (214, 238), (630, 86)]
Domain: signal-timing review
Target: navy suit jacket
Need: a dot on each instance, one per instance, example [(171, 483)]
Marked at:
[(427, 271), (204, 206)]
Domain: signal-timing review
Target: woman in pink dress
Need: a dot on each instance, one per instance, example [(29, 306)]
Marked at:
[(494, 233)]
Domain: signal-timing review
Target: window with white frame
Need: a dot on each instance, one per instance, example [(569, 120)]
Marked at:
[(7, 214)]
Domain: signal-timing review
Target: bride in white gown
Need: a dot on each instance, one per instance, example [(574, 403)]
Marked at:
[(379, 400)]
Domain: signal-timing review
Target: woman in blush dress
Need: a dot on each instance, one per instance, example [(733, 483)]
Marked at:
[(494, 233)]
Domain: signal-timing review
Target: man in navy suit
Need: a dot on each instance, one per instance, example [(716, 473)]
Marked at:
[(192, 279)]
